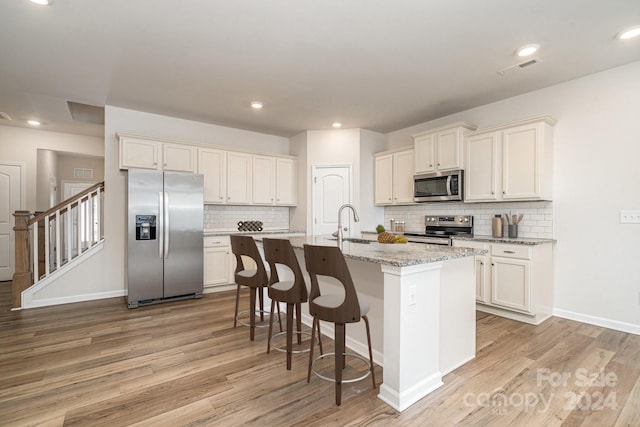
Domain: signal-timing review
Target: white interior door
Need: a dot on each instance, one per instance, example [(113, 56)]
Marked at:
[(11, 200), (331, 189)]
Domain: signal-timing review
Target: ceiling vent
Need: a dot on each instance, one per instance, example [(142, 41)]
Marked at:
[(520, 65), (86, 113), (4, 116)]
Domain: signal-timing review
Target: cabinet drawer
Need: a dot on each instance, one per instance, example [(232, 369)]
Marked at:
[(214, 241), (511, 251)]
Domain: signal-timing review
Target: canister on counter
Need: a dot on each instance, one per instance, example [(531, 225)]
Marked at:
[(496, 226)]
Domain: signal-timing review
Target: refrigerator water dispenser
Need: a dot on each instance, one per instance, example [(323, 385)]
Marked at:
[(145, 227)]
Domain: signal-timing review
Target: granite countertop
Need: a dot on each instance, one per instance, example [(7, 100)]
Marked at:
[(399, 255), (511, 240)]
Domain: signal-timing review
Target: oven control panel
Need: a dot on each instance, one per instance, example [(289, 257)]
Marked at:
[(449, 220)]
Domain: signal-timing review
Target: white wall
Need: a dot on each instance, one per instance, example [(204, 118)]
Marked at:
[(370, 214), (596, 154), (299, 215), (21, 145)]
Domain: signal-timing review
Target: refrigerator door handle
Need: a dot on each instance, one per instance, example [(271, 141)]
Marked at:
[(160, 224), (166, 225)]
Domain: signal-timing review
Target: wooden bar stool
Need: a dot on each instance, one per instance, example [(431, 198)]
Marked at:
[(336, 308), (255, 279), (279, 252)]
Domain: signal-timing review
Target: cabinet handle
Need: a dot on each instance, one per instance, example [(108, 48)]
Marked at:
[(389, 198), (493, 265), (509, 252), (278, 200), (504, 192), (431, 166), (492, 193), (165, 164), (155, 163), (220, 197), (438, 164)]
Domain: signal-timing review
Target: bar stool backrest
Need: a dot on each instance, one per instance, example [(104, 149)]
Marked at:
[(329, 261), (280, 251), (245, 245)]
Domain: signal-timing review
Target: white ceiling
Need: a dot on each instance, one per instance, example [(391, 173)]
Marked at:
[(377, 64)]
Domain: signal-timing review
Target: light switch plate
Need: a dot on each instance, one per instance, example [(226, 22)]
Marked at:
[(629, 217)]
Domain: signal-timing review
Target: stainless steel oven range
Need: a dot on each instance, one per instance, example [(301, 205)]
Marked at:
[(439, 229)]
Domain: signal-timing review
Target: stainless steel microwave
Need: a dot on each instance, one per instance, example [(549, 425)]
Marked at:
[(438, 186)]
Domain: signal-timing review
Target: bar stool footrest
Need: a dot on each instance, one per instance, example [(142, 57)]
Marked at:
[(351, 380), (284, 348), (259, 323)]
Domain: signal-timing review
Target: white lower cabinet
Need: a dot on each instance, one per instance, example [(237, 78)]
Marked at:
[(217, 261), (514, 280)]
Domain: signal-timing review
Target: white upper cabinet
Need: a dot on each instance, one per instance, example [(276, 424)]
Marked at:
[(394, 177), (441, 149), (212, 164), (286, 182), (264, 180), (274, 181), (179, 157), (140, 153), (513, 162), (150, 154), (239, 173)]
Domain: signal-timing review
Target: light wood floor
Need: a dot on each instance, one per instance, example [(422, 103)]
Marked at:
[(183, 363)]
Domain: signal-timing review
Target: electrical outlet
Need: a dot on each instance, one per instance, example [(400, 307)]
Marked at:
[(629, 217), (412, 295)]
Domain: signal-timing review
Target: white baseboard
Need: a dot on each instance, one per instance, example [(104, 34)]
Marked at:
[(598, 321), (75, 298)]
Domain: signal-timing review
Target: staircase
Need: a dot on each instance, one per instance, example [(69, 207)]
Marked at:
[(51, 242)]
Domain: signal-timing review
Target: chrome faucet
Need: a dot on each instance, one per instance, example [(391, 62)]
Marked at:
[(356, 218)]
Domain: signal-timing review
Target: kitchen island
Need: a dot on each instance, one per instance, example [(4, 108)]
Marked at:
[(422, 311)]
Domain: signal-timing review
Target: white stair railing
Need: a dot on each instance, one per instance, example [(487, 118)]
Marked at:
[(69, 230)]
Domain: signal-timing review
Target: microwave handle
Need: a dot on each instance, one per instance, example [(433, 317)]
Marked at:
[(449, 185)]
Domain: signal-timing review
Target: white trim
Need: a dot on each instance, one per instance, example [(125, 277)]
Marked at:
[(29, 293), (598, 321), (74, 298), (23, 182)]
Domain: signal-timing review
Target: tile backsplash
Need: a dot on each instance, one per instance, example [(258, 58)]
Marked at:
[(225, 218), (537, 221)]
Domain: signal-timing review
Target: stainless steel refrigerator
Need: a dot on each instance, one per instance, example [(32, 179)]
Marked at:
[(164, 223)]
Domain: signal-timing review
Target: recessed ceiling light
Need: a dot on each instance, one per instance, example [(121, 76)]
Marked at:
[(336, 124), (629, 33), (527, 50), (42, 2), (34, 122), (256, 105)]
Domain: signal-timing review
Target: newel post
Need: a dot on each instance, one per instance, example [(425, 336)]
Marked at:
[(22, 276)]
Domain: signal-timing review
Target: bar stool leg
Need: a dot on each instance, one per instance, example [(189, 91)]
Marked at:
[(270, 326), (373, 377), (290, 309), (235, 317), (252, 312), (313, 340), (261, 295), (339, 360), (299, 322)]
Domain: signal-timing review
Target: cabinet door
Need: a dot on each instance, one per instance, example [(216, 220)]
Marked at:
[(510, 283), (264, 176), (449, 150), (481, 282), (383, 180), (424, 147), (217, 266), (178, 157), (521, 162), (403, 171), (481, 167), (238, 178), (213, 165), (286, 182), (139, 153)]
